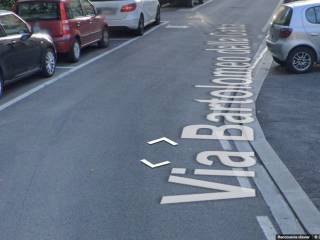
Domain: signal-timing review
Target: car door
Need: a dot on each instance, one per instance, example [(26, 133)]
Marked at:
[(146, 10), (5, 51), (95, 27), (150, 10), (311, 22), (79, 21), (22, 51), (154, 6)]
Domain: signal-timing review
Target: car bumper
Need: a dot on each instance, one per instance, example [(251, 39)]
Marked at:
[(277, 50), (129, 22), (63, 44)]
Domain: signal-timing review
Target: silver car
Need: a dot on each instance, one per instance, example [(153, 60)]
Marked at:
[(294, 35)]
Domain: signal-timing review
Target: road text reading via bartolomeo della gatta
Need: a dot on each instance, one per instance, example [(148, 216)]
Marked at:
[(230, 86)]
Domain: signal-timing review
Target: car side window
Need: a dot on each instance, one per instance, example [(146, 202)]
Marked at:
[(88, 8), (13, 25), (75, 9), (2, 33), (311, 15), (317, 11)]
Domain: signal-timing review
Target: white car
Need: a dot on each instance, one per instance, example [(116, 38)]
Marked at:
[(132, 14)]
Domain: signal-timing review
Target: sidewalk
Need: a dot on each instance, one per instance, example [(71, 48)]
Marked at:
[(288, 111)]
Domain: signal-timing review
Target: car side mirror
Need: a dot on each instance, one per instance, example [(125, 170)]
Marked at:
[(25, 36)]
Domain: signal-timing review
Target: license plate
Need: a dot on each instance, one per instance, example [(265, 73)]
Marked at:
[(109, 11)]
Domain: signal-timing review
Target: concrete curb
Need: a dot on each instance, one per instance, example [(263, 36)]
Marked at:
[(298, 200)]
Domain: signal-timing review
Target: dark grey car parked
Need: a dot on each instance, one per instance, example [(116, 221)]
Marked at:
[(22, 52)]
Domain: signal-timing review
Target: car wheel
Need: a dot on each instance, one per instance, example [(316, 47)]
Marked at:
[(140, 30), (104, 41), (1, 85), (75, 52), (48, 63), (301, 60), (190, 3), (158, 17), (278, 61)]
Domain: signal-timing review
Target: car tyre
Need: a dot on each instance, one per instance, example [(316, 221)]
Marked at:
[(49, 61), (75, 52), (278, 61), (1, 85), (104, 41), (301, 60), (158, 17), (140, 30)]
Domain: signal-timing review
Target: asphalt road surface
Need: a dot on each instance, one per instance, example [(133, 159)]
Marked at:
[(70, 150)]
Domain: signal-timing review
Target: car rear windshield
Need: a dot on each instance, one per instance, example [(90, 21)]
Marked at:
[(283, 16), (39, 11)]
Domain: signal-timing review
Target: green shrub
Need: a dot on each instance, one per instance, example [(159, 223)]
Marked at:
[(6, 4)]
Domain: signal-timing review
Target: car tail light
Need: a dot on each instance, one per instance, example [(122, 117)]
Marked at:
[(129, 7), (64, 28), (285, 32)]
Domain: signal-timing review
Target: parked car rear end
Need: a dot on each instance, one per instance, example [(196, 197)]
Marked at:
[(73, 24), (294, 36), (23, 52), (131, 14)]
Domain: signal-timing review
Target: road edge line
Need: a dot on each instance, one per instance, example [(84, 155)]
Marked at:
[(280, 210), (267, 227), (298, 200)]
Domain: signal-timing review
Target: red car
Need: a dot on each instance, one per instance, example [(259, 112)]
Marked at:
[(73, 24)]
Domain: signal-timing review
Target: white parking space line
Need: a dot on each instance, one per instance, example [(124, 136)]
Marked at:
[(72, 70), (64, 67), (197, 7), (267, 227), (259, 57), (177, 26)]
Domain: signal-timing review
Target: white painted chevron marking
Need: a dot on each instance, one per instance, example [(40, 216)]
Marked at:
[(167, 140), (149, 164)]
